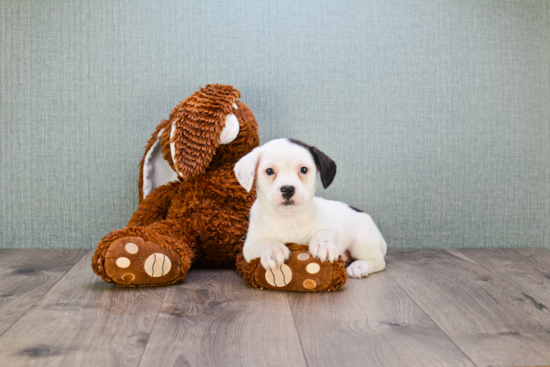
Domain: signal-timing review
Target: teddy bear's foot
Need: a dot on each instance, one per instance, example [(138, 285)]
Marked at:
[(301, 272), (133, 261)]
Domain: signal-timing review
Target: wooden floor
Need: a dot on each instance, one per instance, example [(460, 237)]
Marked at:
[(486, 307)]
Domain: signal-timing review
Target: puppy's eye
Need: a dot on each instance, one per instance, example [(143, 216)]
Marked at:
[(303, 170), (270, 171)]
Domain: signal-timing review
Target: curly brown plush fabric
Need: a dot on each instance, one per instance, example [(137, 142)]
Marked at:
[(300, 273), (201, 218)]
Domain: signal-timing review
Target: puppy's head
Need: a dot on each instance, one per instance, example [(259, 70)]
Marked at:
[(285, 171)]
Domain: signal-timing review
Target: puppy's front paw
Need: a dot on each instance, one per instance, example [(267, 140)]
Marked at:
[(323, 250), (358, 269), (273, 256)]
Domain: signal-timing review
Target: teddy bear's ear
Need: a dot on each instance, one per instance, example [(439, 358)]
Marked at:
[(199, 125), (155, 171), (245, 168)]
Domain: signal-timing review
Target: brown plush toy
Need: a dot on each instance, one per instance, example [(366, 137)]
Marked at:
[(193, 211)]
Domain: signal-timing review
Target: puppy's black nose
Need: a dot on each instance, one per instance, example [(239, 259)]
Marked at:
[(288, 191)]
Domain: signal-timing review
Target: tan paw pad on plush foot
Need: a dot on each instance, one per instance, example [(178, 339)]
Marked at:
[(301, 272), (134, 261)]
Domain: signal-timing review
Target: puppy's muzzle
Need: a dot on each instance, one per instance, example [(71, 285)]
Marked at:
[(287, 192)]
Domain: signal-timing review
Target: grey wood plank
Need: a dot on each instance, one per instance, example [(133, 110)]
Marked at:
[(215, 319), (26, 275), (7, 251), (83, 321), (537, 257), (370, 322), (517, 269), (491, 321)]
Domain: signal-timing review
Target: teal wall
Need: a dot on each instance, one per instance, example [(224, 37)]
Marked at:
[(437, 112)]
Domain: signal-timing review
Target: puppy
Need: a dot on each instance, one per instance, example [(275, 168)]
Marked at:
[(286, 210)]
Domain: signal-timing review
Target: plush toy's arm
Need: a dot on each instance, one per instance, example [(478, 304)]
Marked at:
[(155, 206)]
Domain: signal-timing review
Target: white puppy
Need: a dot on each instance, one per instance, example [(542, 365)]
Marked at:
[(286, 210)]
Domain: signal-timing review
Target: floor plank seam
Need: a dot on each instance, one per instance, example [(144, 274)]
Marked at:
[(152, 328), (42, 296), (297, 331), (428, 315)]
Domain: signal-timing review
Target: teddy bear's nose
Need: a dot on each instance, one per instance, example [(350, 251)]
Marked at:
[(288, 191)]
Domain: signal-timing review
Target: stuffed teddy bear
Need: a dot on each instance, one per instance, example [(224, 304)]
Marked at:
[(192, 210)]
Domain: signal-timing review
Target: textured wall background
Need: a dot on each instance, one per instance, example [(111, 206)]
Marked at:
[(437, 113)]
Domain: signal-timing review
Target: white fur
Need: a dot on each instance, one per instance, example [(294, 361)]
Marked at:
[(330, 228)]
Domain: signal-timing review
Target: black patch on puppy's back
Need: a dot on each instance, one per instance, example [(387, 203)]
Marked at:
[(325, 165), (357, 210)]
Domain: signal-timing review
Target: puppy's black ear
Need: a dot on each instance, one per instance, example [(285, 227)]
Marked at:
[(325, 165)]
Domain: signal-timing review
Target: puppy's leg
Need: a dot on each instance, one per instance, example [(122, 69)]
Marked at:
[(362, 268), (368, 248), (369, 259), (271, 252), (323, 247)]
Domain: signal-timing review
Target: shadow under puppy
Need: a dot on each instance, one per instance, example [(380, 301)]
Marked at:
[(286, 210)]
